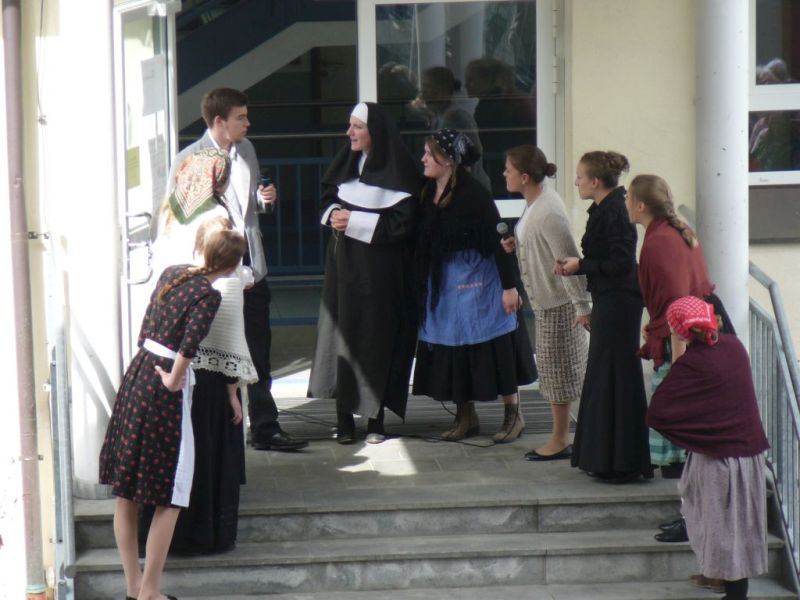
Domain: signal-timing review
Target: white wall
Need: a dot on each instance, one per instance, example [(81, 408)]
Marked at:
[(70, 178), (630, 83)]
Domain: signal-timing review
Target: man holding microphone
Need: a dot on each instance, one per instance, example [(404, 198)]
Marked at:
[(225, 112)]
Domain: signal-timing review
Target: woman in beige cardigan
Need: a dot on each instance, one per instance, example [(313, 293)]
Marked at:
[(561, 304)]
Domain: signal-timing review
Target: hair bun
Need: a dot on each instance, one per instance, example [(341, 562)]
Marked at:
[(550, 170)]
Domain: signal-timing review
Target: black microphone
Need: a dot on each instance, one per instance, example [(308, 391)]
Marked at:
[(502, 230), (266, 180)]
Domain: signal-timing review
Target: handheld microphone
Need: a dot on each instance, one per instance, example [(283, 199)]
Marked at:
[(502, 230), (266, 180)]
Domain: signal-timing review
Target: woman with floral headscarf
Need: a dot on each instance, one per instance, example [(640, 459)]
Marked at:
[(707, 406), (472, 346), (195, 209)]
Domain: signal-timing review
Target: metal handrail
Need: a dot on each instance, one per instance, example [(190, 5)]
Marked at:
[(776, 376), (782, 323)]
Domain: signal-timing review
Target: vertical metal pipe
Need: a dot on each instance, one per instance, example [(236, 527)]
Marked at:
[(29, 458)]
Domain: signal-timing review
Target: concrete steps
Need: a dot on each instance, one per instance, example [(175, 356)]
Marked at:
[(760, 589), (423, 510), (409, 519), (607, 556)]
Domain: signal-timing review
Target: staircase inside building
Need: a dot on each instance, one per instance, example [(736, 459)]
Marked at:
[(413, 518)]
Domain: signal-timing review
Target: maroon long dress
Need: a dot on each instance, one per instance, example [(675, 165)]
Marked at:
[(141, 448)]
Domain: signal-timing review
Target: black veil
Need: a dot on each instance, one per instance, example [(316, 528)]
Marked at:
[(389, 164)]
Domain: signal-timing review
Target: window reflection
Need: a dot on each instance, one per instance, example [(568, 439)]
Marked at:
[(777, 42), (775, 141), (470, 66)]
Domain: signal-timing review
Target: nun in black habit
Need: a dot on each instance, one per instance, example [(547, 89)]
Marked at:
[(367, 319)]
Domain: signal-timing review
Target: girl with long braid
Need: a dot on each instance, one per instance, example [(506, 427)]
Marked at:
[(671, 266), (148, 453)]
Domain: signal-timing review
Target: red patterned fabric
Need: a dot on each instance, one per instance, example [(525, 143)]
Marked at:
[(692, 313)]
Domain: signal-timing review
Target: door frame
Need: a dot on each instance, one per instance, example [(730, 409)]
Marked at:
[(549, 76), (123, 12)]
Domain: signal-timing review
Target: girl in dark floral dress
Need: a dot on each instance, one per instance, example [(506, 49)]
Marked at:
[(148, 452)]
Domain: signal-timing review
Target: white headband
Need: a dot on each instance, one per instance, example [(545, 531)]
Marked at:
[(360, 112)]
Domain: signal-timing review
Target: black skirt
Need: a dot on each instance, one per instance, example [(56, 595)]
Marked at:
[(611, 437), (209, 524), (476, 372)]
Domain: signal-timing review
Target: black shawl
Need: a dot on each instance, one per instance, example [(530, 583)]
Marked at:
[(468, 222)]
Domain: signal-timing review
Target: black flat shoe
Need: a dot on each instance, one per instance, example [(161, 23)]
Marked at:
[(345, 437), (670, 524), (672, 471), (280, 441), (622, 478), (533, 455), (676, 534)]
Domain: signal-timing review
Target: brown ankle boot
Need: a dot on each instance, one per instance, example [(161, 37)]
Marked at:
[(513, 424), (466, 423)]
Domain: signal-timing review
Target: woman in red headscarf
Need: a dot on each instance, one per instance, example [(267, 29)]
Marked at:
[(707, 406)]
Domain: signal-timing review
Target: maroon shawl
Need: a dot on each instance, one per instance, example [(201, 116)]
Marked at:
[(707, 402), (668, 269)]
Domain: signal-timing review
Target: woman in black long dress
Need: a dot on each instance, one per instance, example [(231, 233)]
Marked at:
[(367, 322), (148, 453), (611, 438)]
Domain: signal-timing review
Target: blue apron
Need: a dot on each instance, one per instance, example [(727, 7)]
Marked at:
[(470, 309)]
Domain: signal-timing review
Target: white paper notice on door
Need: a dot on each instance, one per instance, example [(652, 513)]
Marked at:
[(154, 84)]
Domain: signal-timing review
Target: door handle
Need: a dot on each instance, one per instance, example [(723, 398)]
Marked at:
[(143, 242)]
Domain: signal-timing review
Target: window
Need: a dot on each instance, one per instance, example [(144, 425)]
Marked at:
[(774, 125), (469, 66)]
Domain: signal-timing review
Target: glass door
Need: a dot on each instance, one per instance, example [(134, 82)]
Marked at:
[(146, 141), (484, 67)]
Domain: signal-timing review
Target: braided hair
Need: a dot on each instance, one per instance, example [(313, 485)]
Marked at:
[(654, 192), (222, 251), (607, 166)]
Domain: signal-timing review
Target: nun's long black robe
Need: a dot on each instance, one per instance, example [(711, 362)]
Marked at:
[(367, 320)]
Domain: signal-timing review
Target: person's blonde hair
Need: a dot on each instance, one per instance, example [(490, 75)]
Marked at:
[(222, 251), (656, 195)]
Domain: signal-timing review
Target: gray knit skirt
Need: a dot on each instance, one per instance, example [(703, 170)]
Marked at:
[(725, 508), (561, 352)]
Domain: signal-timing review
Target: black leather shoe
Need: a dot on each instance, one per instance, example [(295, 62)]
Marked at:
[(345, 437), (676, 534), (672, 471), (670, 524), (560, 455), (281, 441)]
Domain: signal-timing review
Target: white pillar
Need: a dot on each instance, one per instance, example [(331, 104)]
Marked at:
[(722, 37)]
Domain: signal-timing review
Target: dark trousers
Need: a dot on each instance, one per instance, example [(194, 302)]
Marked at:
[(261, 405)]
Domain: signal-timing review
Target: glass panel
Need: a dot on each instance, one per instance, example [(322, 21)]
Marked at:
[(470, 66), (775, 141), (777, 41), (147, 142), (299, 62)]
